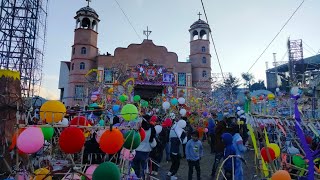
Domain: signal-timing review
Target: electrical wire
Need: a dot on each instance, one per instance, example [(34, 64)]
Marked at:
[(276, 35), (214, 45), (310, 48), (128, 20)]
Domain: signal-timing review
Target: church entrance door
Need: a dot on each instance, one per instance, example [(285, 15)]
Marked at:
[(148, 92)]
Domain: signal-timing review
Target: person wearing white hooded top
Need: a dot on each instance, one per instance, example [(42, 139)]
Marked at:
[(177, 137), (142, 152)]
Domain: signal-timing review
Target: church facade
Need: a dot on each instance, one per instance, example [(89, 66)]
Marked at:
[(155, 70)]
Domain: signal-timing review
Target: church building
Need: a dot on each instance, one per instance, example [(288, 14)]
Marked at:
[(155, 70)]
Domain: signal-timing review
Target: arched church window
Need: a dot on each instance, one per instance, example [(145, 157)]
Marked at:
[(83, 50), (82, 65), (203, 49), (204, 60), (72, 66), (73, 50), (204, 73)]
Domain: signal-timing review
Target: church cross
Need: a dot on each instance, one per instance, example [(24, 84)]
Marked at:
[(88, 2), (147, 32), (199, 14)]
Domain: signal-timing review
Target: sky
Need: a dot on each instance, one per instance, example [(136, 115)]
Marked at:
[(241, 30)]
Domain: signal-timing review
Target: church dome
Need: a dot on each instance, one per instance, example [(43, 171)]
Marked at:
[(199, 24), (87, 11)]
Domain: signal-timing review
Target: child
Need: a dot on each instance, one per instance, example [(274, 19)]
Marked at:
[(194, 152), (228, 150), (240, 149)]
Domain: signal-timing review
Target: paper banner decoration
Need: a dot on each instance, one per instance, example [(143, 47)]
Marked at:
[(254, 142), (303, 141)]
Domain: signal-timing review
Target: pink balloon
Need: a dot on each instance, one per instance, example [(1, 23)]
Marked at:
[(30, 140), (127, 155), (90, 170), (99, 134), (206, 130), (23, 175)]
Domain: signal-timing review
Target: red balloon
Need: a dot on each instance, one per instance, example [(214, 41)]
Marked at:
[(265, 156), (154, 119), (309, 139), (142, 133), (111, 141), (167, 123), (79, 120), (71, 140)]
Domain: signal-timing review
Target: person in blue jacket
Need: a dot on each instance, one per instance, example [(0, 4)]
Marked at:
[(211, 126), (229, 164), (240, 149), (194, 152)]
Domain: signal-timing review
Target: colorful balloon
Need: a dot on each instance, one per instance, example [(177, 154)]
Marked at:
[(174, 101), (47, 132), (264, 155), (129, 112), (136, 98), (183, 112), (281, 175), (275, 148), (181, 100), (52, 111), (90, 170), (299, 161), (142, 133), (41, 174), (106, 170), (115, 108), (111, 141), (30, 140), (79, 120), (166, 105), (123, 98), (132, 138), (71, 140)]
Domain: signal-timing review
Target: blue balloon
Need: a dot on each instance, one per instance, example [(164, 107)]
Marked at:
[(174, 101), (115, 108), (101, 122)]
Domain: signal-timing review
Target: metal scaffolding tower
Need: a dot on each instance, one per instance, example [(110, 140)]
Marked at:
[(22, 40), (295, 51)]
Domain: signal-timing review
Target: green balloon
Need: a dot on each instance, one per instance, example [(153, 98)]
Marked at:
[(130, 136), (144, 103), (129, 112), (106, 170), (136, 98), (299, 161), (123, 98), (47, 132)]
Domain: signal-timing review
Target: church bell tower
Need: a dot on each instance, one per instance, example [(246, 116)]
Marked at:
[(200, 56), (84, 51)]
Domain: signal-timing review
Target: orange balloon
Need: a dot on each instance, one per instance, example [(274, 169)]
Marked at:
[(111, 141), (281, 175), (14, 139)]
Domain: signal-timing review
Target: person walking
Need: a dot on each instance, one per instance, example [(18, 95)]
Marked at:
[(194, 152), (211, 133)]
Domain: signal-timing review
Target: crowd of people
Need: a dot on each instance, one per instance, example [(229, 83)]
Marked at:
[(226, 137)]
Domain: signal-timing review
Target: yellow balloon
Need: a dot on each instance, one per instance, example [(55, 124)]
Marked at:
[(110, 90), (275, 148), (41, 174), (271, 96), (52, 111), (87, 132)]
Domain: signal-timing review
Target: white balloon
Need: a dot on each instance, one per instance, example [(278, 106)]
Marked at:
[(181, 100), (295, 91), (183, 112), (238, 108), (178, 131), (182, 123), (166, 105), (277, 89), (65, 121), (172, 116), (158, 129)]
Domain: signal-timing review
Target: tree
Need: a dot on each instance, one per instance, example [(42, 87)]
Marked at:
[(258, 86), (248, 78), (230, 83)]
